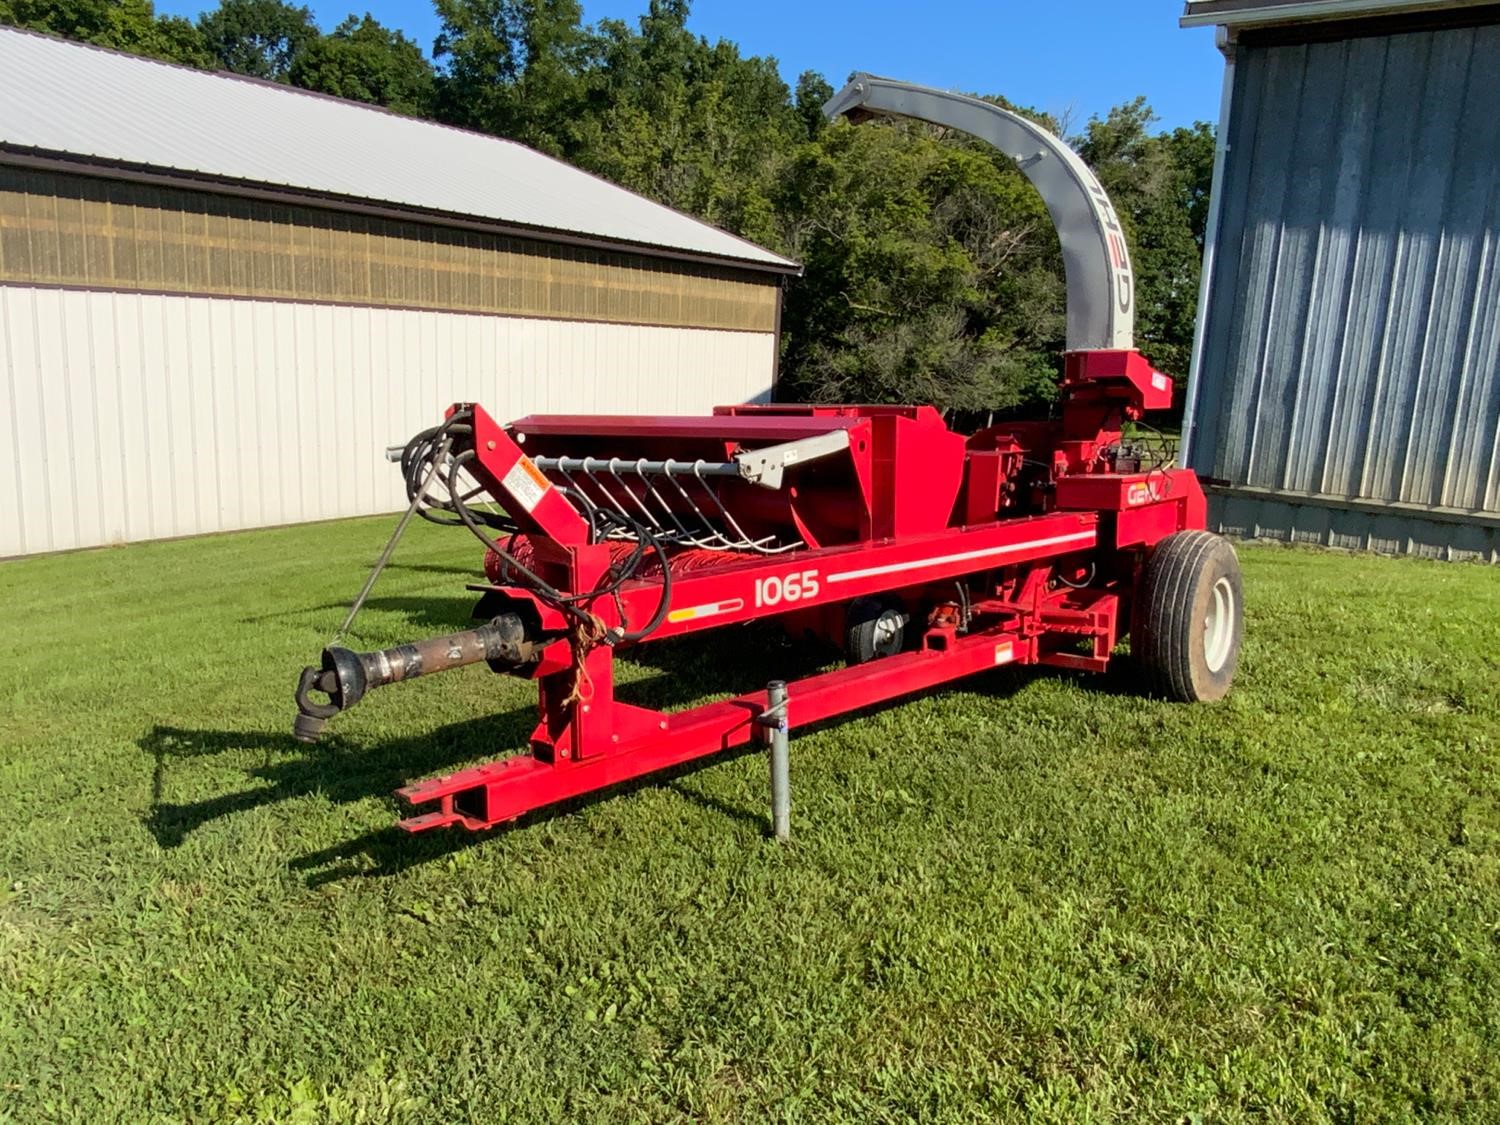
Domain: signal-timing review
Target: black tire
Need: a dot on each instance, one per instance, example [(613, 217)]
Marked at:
[(867, 629), (1190, 593)]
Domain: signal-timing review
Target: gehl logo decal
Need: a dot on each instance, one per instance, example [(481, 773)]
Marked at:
[(1119, 256)]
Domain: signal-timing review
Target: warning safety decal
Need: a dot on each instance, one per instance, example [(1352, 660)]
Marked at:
[(525, 483)]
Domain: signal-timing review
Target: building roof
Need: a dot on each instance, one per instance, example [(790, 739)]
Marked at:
[(86, 103), (1270, 13)]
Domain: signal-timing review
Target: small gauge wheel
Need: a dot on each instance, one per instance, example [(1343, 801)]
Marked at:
[(874, 627)]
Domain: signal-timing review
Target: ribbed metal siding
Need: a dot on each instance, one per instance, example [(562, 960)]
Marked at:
[(129, 416), (58, 229), (1353, 333)]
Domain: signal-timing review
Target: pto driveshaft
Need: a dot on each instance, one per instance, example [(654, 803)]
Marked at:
[(346, 676)]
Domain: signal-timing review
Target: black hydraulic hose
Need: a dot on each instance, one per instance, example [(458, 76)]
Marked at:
[(626, 569), (419, 452), (662, 605), (426, 449), (568, 602), (541, 585), (643, 535)]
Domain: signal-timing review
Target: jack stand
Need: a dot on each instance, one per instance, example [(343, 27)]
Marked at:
[(774, 720)]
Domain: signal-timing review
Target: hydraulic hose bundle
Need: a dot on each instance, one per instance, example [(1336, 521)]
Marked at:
[(441, 453), (426, 451)]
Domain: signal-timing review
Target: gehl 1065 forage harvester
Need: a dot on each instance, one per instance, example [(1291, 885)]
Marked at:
[(927, 554)]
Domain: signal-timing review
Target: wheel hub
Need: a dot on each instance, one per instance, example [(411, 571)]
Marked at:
[(1218, 625), (888, 628)]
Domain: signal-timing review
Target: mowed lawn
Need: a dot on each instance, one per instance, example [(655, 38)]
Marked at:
[(1038, 897)]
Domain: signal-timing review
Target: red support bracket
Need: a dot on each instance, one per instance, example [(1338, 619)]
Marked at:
[(524, 491)]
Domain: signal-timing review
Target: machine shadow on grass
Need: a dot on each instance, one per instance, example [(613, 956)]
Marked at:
[(345, 771), (427, 612), (677, 673), (337, 767)]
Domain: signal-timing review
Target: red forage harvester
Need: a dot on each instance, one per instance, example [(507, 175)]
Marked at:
[(926, 554)]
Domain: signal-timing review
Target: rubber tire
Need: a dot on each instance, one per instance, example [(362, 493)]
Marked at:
[(1171, 605), (859, 628)]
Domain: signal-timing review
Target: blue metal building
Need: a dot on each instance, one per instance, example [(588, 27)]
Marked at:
[(1345, 386)]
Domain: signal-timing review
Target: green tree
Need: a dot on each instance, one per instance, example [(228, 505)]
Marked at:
[(813, 92), (366, 62), (122, 25), (258, 38), (692, 124), (513, 68), (931, 272)]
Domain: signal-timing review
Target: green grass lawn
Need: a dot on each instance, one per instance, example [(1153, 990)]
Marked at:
[(1036, 898)]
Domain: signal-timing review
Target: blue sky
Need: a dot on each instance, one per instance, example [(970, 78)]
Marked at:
[(1081, 56)]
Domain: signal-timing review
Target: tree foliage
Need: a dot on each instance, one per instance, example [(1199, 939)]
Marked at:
[(122, 25), (513, 67), (366, 62), (259, 38), (932, 271), (693, 125)]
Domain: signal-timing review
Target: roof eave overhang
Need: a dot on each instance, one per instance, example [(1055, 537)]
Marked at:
[(1310, 11), (46, 160)]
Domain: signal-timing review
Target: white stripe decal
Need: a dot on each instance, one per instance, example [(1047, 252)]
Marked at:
[(964, 556), (710, 609)]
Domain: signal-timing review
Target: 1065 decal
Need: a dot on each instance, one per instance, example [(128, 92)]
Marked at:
[(775, 589)]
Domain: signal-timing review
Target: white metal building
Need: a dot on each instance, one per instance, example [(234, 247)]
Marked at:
[(221, 299)]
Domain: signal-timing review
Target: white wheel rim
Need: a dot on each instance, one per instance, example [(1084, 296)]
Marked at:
[(1218, 626), (887, 638)]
